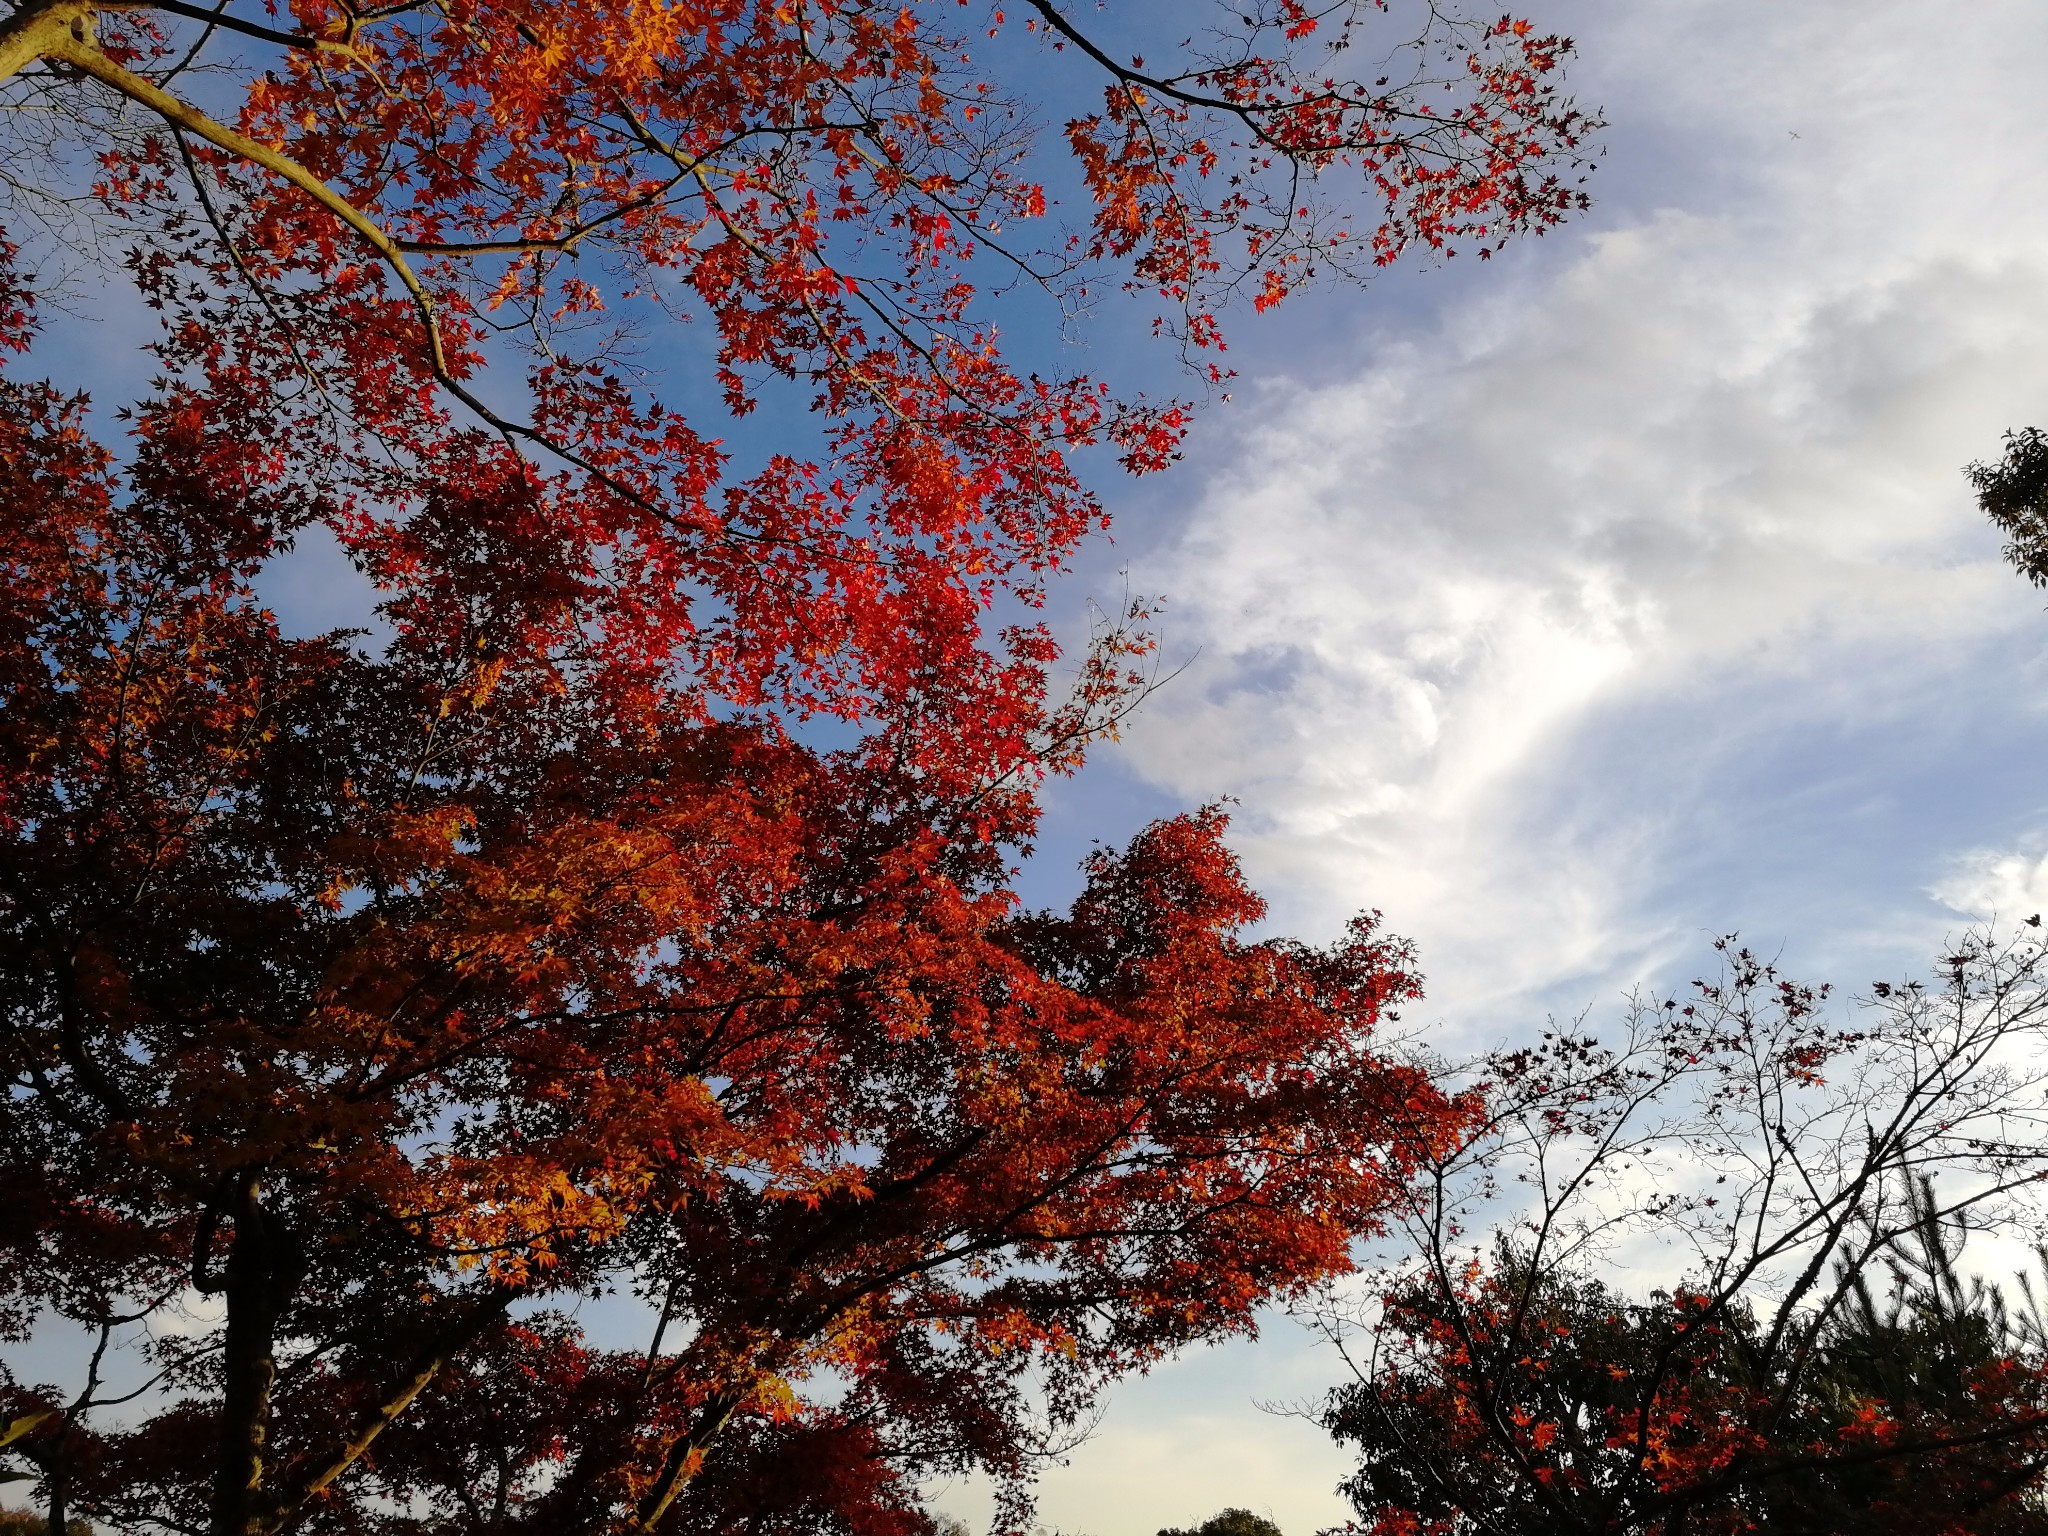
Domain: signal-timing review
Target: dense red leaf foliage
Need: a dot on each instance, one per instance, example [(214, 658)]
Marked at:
[(402, 218), (386, 991), (1566, 1406), (625, 911)]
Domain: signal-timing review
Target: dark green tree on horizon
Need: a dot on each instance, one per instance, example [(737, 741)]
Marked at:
[(1228, 1522), (2013, 493), (21, 1522)]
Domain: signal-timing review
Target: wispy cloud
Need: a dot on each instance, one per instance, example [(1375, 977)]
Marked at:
[(1493, 626)]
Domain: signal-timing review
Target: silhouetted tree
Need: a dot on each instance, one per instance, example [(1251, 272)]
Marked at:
[(1229, 1522), (2014, 493)]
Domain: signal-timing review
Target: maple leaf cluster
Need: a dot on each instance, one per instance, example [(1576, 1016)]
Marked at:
[(414, 216)]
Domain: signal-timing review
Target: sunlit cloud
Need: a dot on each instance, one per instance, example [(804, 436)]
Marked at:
[(1710, 456)]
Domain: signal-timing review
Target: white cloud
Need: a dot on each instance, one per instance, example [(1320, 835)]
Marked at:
[(1988, 885), (1490, 627)]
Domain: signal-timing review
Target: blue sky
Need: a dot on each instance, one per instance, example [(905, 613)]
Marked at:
[(1621, 592)]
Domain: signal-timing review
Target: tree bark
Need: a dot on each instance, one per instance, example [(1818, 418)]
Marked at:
[(38, 31), (681, 1462), (262, 1273)]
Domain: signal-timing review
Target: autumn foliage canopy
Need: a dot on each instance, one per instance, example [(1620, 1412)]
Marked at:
[(619, 915), (1815, 1358)]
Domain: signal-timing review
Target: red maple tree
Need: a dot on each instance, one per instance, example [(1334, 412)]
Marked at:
[(371, 997), (389, 996)]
